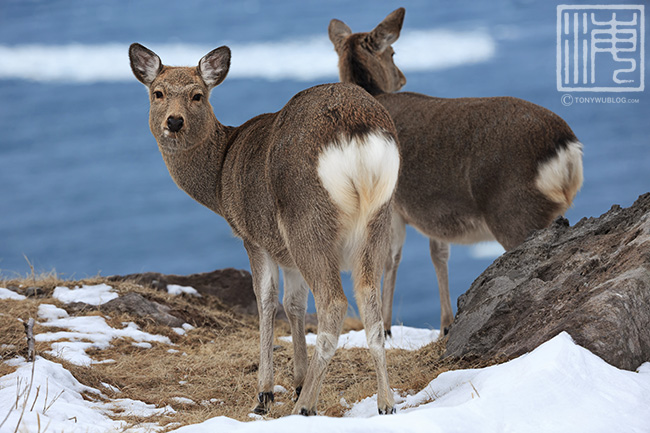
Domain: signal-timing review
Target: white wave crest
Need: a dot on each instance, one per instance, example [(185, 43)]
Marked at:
[(306, 59)]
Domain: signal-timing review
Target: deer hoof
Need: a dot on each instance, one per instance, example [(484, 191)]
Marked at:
[(307, 412), (445, 331), (264, 400), (388, 410)]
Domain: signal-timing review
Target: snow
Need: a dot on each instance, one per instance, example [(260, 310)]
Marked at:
[(174, 289), (92, 295), (403, 337), (183, 330), (55, 400), (183, 400), (10, 294), (51, 312), (279, 389), (558, 387), (85, 332)]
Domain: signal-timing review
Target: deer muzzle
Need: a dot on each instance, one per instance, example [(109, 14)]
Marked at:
[(175, 123)]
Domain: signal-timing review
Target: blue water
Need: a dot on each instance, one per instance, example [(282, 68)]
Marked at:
[(84, 191)]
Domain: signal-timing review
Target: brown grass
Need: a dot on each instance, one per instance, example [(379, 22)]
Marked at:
[(215, 364)]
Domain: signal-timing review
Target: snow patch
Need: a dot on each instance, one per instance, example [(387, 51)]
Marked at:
[(92, 295), (10, 294), (86, 332), (403, 337), (174, 289), (60, 402)]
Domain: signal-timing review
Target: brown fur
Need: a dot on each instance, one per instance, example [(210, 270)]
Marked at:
[(470, 166), (263, 178)]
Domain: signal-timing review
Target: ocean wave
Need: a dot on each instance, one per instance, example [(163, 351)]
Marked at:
[(307, 59)]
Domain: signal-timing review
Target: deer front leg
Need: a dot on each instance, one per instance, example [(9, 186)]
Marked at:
[(295, 306), (440, 257), (397, 235), (265, 284)]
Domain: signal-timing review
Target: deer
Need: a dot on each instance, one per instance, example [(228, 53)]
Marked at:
[(473, 169), (308, 189)]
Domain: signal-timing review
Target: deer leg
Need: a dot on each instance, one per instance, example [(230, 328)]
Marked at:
[(366, 274), (295, 306), (397, 235), (265, 284), (331, 306), (516, 213), (440, 256)]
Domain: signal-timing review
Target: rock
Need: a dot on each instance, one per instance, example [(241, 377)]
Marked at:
[(591, 280), (138, 305), (233, 287), (130, 303), (34, 292)]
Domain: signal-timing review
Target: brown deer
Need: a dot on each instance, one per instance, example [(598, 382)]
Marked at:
[(308, 189), (473, 169)]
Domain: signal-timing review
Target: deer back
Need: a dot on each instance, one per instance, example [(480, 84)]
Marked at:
[(462, 153)]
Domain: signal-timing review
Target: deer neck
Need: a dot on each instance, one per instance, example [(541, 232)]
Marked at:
[(353, 70), (197, 169)]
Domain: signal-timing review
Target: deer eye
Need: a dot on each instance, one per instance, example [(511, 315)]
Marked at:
[(197, 97), (157, 94)]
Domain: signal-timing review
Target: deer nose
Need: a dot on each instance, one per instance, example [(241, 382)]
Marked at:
[(402, 79), (174, 123)]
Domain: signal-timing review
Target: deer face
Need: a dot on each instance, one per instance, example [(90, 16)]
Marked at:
[(180, 116), (366, 59)]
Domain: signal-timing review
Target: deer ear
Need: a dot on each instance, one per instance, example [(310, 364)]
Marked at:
[(145, 64), (338, 31), (387, 31), (214, 66)]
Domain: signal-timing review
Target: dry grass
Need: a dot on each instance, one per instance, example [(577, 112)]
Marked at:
[(214, 365)]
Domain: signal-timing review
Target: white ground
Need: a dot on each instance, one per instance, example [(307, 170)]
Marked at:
[(559, 387)]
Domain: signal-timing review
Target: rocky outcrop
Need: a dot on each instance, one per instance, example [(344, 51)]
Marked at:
[(591, 280), (233, 287)]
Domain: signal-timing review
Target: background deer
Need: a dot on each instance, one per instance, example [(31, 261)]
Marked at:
[(308, 189), (473, 169)]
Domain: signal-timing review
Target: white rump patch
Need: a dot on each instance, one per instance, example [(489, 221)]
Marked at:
[(560, 178), (360, 175)]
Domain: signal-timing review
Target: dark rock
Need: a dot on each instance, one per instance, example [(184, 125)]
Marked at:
[(34, 292), (131, 303), (138, 305), (233, 287), (591, 280), (15, 289)]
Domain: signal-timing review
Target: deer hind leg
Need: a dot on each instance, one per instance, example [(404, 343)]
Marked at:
[(515, 214), (295, 306), (397, 235), (331, 306), (440, 256), (366, 273), (265, 284)]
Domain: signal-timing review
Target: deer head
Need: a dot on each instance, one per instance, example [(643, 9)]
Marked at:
[(180, 116), (367, 58)]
